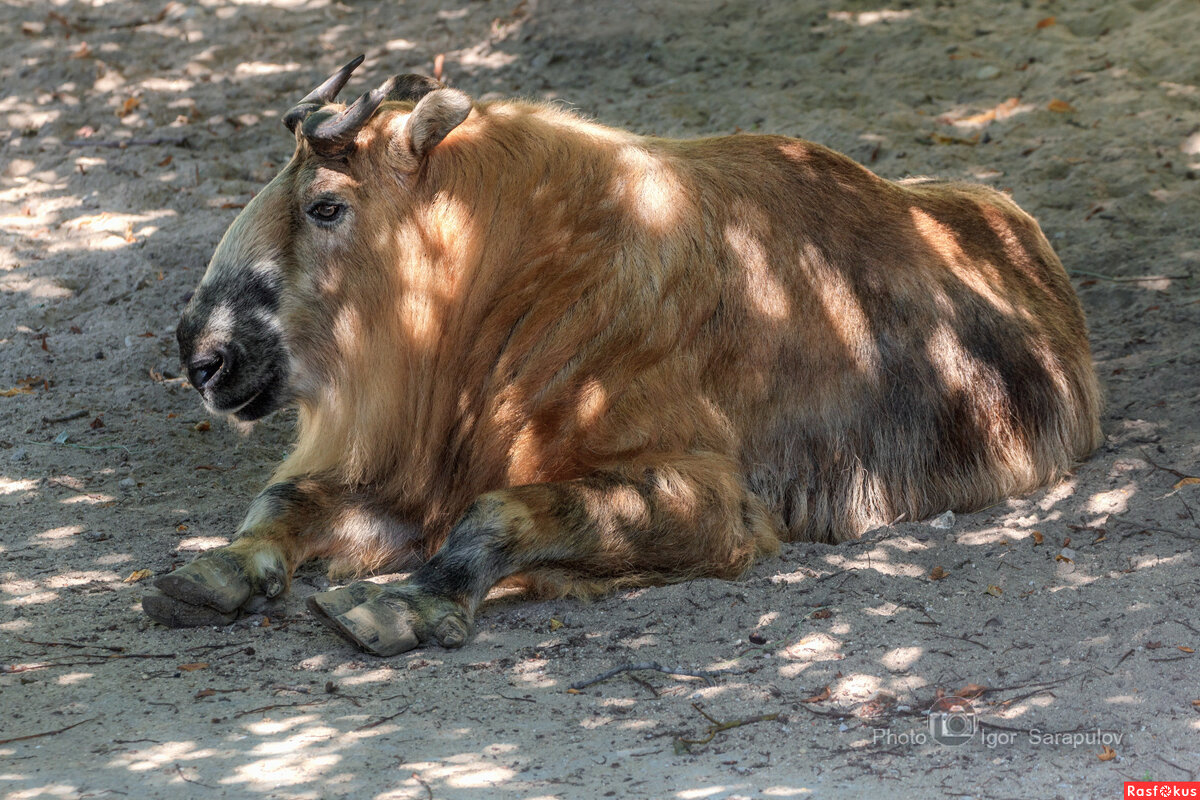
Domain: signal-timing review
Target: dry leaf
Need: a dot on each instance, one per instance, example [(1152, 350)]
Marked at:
[(1001, 111), (555, 624), (193, 666), (128, 106), (1196, 703), (181, 527), (971, 691), (205, 693), (1188, 481), (16, 390), (939, 138), (1038, 538), (1185, 649), (96, 424), (937, 573), (1107, 754), (877, 706), (1047, 22), (1061, 557), (819, 697), (821, 613), (166, 162), (1153, 645), (202, 425), (994, 590), (574, 691), (139, 575), (1060, 106), (82, 51)]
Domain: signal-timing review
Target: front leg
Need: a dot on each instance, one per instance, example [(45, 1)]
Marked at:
[(288, 523), (688, 518)]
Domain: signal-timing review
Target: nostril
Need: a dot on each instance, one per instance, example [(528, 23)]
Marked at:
[(205, 367)]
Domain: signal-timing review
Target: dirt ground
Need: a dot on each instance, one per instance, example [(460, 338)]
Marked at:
[(1069, 617)]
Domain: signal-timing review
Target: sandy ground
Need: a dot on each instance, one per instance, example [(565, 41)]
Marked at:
[(1069, 615)]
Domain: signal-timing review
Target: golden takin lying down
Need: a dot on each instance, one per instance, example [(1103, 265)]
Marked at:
[(528, 347)]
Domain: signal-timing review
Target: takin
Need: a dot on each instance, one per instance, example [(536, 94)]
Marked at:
[(528, 348)]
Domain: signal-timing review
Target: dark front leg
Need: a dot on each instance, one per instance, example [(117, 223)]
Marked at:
[(288, 523), (679, 520)]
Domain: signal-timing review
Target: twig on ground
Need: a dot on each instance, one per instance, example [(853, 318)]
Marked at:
[(65, 418), (1025, 696), (718, 726), (424, 783), (520, 699), (12, 669), (1161, 468), (382, 720), (219, 646), (1191, 774), (1078, 273), (645, 684), (966, 639), (705, 675), (76, 645), (179, 772), (1189, 627), (128, 452), (930, 620), (274, 706), (44, 733), (179, 141), (835, 574), (832, 714), (140, 21)]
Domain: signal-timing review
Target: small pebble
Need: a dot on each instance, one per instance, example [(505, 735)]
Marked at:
[(20, 454), (943, 521), (127, 483), (987, 72), (96, 536)]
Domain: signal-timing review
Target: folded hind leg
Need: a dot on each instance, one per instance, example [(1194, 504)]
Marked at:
[(683, 518)]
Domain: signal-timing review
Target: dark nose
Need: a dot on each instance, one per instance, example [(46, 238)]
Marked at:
[(204, 368)]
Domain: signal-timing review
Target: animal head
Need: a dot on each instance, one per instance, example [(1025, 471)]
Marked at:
[(258, 331)]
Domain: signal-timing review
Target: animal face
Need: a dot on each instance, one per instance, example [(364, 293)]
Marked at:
[(261, 329)]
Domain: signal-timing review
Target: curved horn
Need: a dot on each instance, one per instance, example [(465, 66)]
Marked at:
[(333, 135), (325, 93)]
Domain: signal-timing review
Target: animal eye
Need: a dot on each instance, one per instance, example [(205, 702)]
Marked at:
[(325, 212)]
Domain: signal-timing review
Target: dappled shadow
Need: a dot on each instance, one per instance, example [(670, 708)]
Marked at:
[(1092, 638)]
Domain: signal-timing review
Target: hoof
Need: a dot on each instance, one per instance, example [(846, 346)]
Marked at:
[(386, 622), (178, 614), (216, 580)]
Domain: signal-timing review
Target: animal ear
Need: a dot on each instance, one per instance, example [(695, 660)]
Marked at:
[(412, 87), (436, 114)]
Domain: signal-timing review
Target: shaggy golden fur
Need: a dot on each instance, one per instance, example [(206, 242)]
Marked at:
[(593, 358)]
